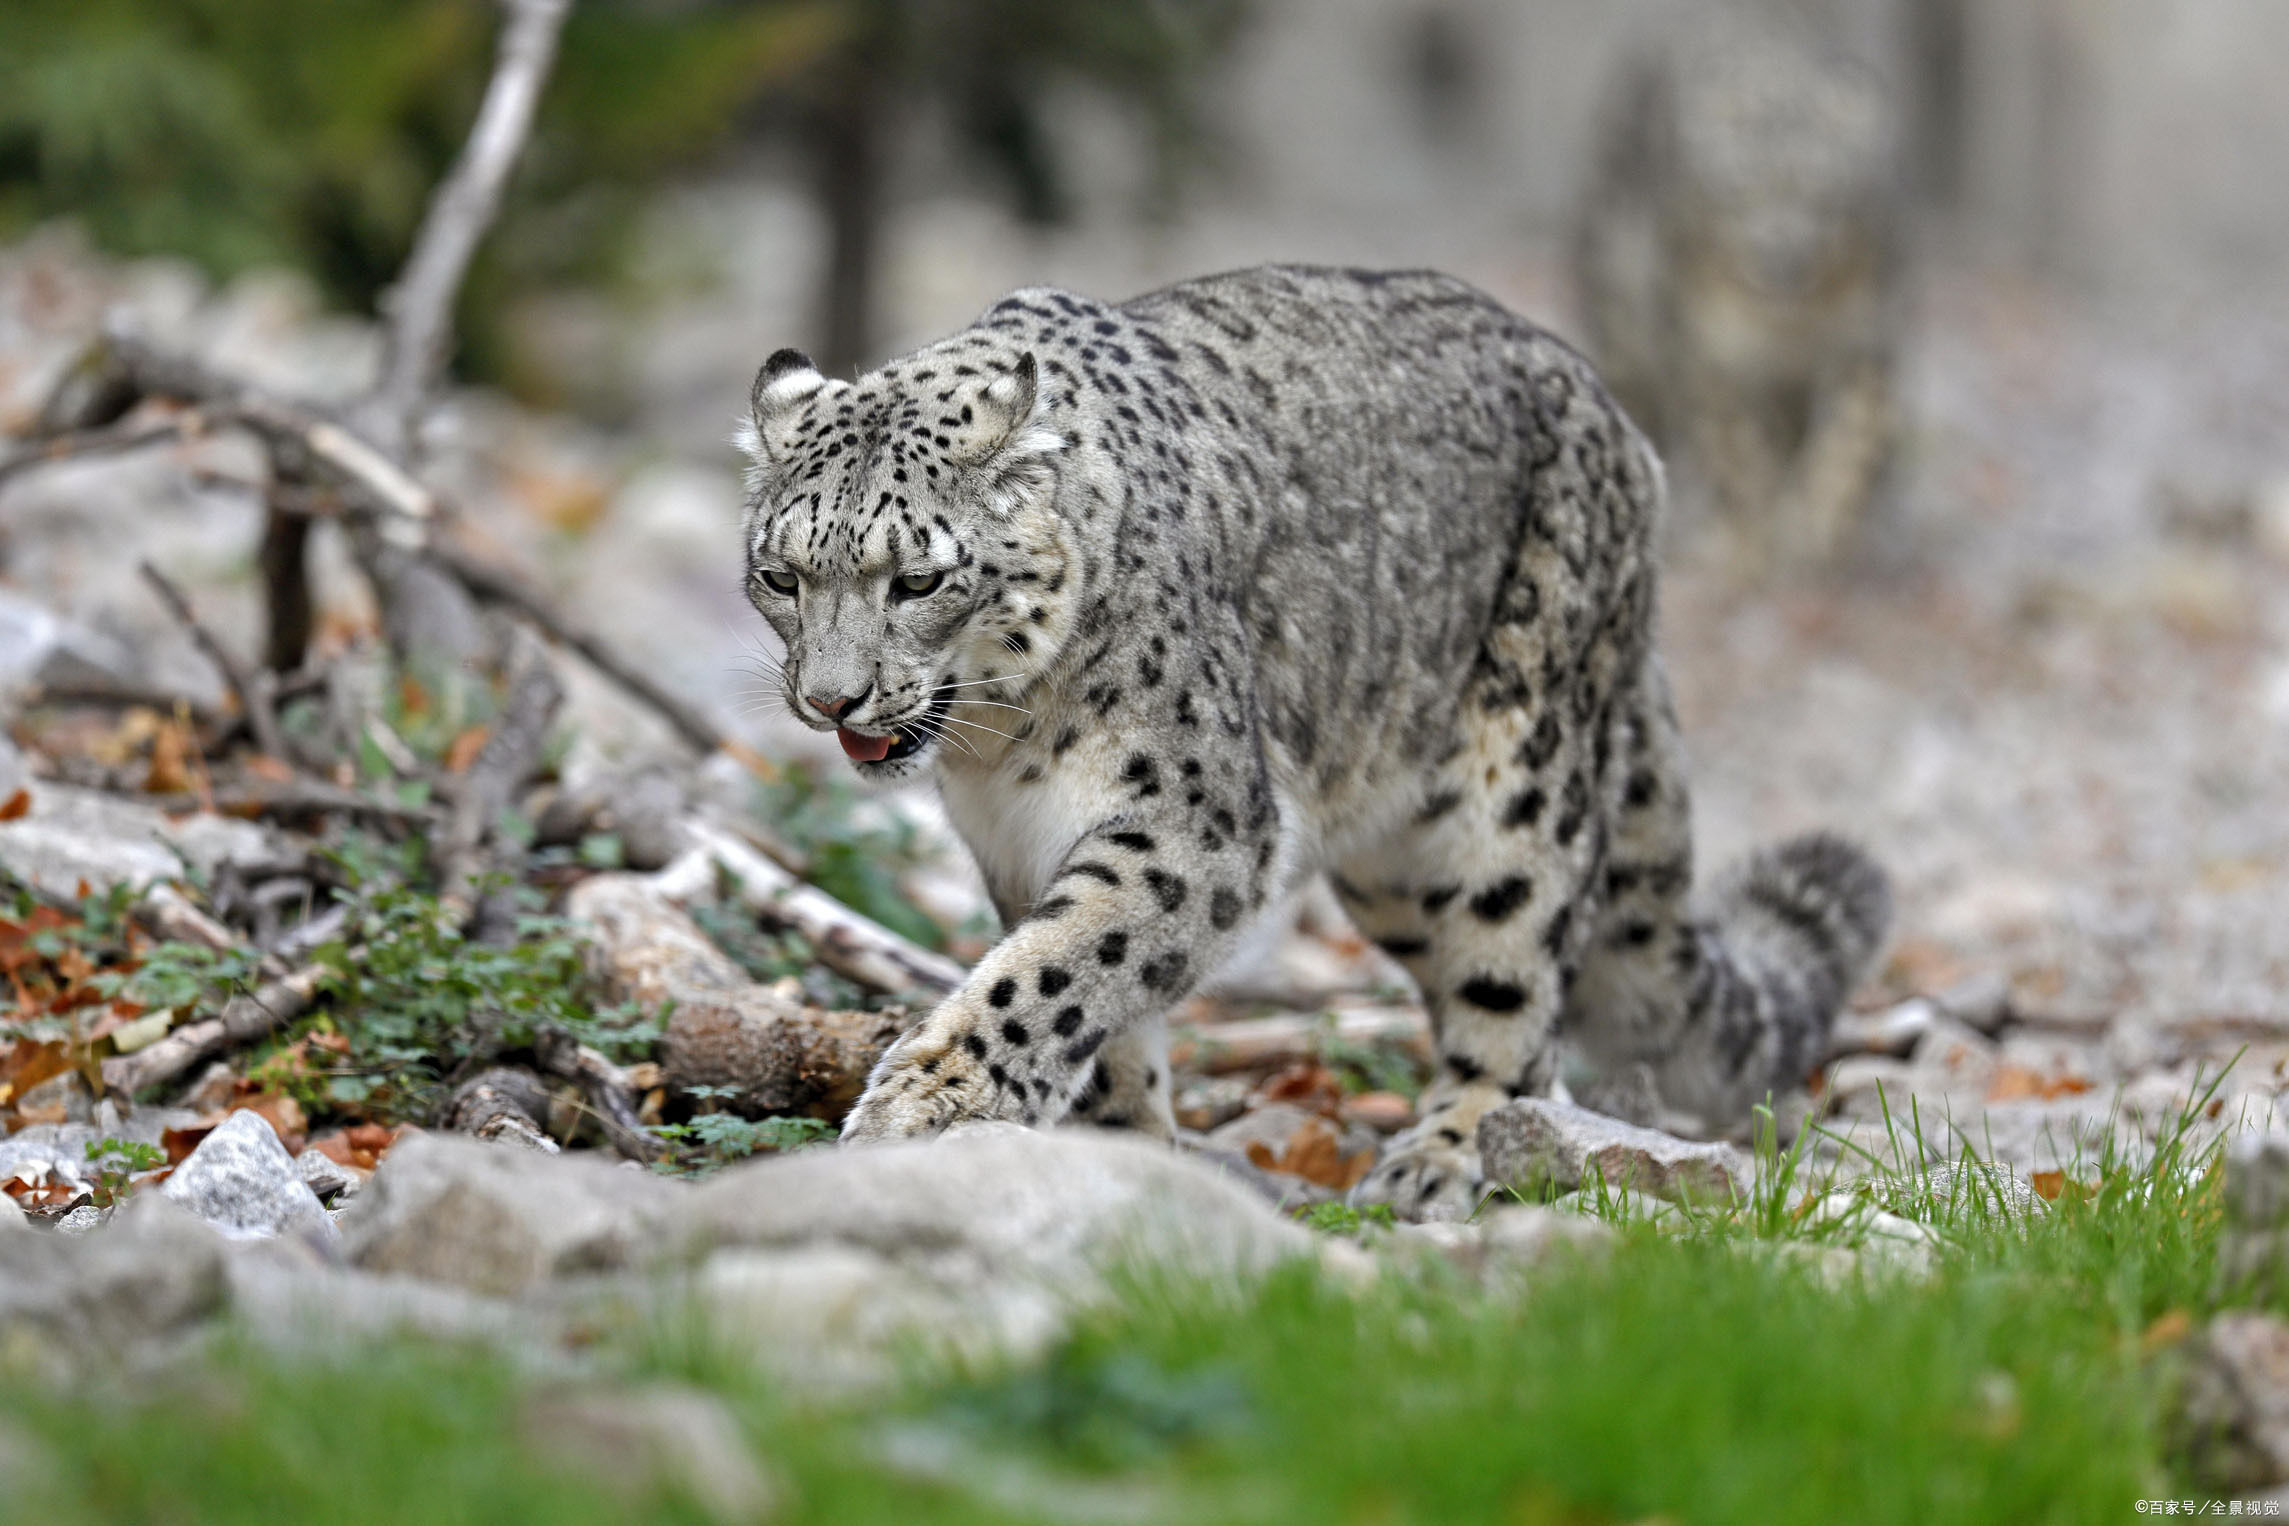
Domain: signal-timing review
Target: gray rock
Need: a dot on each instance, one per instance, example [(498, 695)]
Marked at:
[(498, 1219), (986, 1239), (43, 1149), (155, 1272), (241, 1180), (324, 1177), (73, 835), (2233, 1417), (290, 1300), (39, 646), (1894, 1031), (1534, 1143), (1508, 1239), (1955, 1059), (11, 1217), (641, 1443), (1982, 1186)]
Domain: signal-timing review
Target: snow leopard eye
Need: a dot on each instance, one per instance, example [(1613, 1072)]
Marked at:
[(779, 582), (915, 584)]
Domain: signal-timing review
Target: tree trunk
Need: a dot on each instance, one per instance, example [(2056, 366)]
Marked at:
[(848, 153)]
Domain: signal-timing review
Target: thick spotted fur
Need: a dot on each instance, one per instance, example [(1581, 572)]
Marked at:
[(1289, 570)]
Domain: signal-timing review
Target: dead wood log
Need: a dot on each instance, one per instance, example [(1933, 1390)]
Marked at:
[(611, 1095), (851, 944), (725, 1029), (243, 1019), (503, 1104)]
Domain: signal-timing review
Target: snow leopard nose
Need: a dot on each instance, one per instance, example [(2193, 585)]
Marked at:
[(835, 709)]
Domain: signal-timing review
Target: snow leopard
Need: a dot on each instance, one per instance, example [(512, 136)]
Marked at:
[(1290, 570), (1737, 261)]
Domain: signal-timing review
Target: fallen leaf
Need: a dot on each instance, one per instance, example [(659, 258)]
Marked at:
[(2014, 1082), (263, 766), (362, 1146), (1309, 1085), (462, 751), (170, 772), (179, 1143), (281, 1112), (17, 806), (1314, 1154)]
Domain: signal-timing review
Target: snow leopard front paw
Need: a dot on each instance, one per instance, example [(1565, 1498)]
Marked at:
[(924, 1084), (1425, 1181)]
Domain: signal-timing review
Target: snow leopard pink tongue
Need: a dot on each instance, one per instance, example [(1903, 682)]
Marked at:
[(862, 749)]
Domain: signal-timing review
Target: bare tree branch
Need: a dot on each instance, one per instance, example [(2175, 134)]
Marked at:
[(251, 689), (420, 308), (500, 586)]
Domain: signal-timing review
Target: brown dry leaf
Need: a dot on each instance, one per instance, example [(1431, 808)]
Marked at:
[(274, 770), (281, 1112), (17, 806), (2016, 1082), (179, 1143), (1309, 1084), (27, 1063), (1313, 1153), (462, 751), (170, 772), (362, 1146)]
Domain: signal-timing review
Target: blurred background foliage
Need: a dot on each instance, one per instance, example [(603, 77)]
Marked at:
[(242, 133)]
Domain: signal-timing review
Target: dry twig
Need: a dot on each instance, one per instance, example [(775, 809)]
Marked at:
[(252, 690), (244, 1018)]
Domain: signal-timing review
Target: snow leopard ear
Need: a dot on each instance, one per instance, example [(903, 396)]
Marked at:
[(1006, 439), (787, 381)]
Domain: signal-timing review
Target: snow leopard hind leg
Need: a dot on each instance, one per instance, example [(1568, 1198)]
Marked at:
[(1544, 892)]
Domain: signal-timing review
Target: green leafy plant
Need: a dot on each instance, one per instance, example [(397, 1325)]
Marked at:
[(716, 1138), (117, 1163), (416, 999), (1336, 1218), (856, 861)]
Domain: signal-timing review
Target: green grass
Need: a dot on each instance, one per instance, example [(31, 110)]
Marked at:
[(1688, 1375)]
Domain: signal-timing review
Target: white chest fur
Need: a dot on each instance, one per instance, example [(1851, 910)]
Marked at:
[(1020, 832)]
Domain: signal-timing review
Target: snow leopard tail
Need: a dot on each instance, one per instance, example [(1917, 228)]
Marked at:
[(1786, 936)]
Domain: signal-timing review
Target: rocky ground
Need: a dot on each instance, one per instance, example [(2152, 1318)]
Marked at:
[(272, 1067)]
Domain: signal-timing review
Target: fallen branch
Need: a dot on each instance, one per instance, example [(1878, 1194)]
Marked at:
[(110, 440), (611, 1095), (725, 1030), (498, 586), (850, 943), (252, 691), (302, 797), (244, 1018), (505, 1105), (511, 754)]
